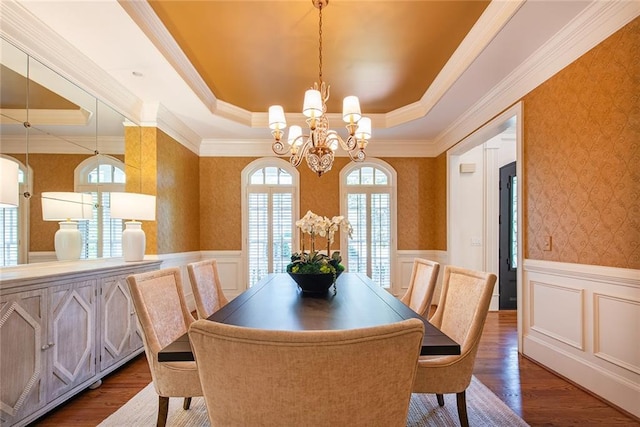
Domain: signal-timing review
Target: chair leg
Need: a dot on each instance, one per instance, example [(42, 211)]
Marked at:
[(187, 403), (462, 408), (163, 410), (440, 398)]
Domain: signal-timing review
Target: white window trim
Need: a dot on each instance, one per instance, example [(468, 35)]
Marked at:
[(82, 185), (24, 206), (81, 182), (392, 185), (246, 174)]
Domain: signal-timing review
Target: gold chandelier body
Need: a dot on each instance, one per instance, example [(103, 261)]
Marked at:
[(319, 145)]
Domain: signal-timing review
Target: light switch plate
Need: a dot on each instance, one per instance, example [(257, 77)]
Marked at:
[(547, 243)]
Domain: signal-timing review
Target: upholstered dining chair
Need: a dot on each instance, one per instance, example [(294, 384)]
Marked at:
[(207, 290), (461, 313), (163, 316), (307, 378), (422, 286)]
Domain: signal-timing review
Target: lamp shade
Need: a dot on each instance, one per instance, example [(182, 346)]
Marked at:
[(276, 117), (312, 106), (134, 206), (364, 128), (295, 132), (61, 206), (9, 185), (351, 109)]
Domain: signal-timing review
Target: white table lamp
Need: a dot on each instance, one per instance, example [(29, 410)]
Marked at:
[(133, 207), (9, 185), (68, 208)]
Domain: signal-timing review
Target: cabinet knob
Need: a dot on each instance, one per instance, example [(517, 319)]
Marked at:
[(51, 344), (44, 347)]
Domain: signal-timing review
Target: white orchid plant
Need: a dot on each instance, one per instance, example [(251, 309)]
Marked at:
[(316, 262)]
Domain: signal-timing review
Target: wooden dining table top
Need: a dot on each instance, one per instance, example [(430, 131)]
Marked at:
[(277, 303)]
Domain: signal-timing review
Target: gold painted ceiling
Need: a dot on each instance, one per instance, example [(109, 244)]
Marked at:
[(256, 53)]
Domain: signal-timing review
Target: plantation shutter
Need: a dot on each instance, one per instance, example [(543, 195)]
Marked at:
[(270, 222), (369, 211), (10, 240)]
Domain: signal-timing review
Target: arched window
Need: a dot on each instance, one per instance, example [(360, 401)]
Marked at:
[(368, 196), (269, 211), (102, 235), (13, 224)]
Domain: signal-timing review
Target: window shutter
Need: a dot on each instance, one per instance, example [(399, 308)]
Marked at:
[(9, 230)]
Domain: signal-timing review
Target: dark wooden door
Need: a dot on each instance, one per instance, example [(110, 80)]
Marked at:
[(508, 239)]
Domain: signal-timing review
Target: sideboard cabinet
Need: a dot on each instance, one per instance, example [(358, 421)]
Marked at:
[(63, 326)]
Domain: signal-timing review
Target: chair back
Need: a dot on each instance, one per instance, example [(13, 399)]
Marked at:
[(422, 286), (463, 306), (320, 378), (161, 308), (206, 286)]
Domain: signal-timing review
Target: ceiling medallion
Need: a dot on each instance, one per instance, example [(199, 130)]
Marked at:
[(319, 145)]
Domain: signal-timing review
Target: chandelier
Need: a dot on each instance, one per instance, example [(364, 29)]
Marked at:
[(319, 145)]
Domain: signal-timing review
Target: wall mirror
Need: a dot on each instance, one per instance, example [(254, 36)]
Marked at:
[(64, 140)]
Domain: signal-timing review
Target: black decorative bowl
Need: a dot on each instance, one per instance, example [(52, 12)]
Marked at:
[(313, 283)]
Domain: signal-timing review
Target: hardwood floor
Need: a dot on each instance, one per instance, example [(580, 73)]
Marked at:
[(537, 395)]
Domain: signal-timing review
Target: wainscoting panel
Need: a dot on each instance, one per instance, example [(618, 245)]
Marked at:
[(404, 267), (557, 312), (609, 314), (583, 322), (230, 270)]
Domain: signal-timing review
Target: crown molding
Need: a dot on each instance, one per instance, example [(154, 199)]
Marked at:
[(598, 21), (144, 16), (262, 148), (49, 144), (491, 22), (27, 32), (170, 124), (43, 117)]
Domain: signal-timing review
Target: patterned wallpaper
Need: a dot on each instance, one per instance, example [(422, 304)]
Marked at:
[(582, 158), (421, 200), (178, 197)]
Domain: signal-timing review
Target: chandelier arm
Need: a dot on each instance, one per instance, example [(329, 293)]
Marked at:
[(350, 144), (357, 155), (279, 148), (301, 153)]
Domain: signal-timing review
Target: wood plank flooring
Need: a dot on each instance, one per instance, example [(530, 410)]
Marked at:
[(537, 395)]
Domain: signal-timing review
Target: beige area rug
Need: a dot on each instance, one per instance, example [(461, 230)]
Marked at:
[(483, 407)]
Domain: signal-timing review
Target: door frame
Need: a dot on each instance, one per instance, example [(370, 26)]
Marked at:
[(490, 206)]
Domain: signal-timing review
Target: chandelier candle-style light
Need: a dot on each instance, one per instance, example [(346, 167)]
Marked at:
[(319, 145)]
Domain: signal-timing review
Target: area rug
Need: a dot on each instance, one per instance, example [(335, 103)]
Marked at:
[(483, 407)]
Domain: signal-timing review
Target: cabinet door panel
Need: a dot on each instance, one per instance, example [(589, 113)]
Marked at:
[(23, 359), (117, 320), (72, 343)]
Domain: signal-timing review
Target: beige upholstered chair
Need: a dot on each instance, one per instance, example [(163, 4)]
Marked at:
[(422, 286), (462, 310), (207, 290), (163, 316), (307, 378)]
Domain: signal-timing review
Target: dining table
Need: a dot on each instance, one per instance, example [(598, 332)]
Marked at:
[(277, 303)]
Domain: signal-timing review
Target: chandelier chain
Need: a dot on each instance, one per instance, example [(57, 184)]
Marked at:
[(320, 41)]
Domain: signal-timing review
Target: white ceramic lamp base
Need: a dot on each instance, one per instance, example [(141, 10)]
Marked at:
[(133, 241), (68, 241)]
